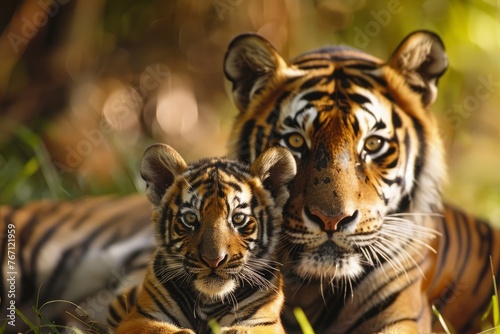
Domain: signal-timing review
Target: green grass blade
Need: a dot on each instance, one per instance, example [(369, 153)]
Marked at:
[(305, 325), (214, 326), (494, 300), (487, 312), (28, 322), (2, 329), (30, 168), (441, 320), (49, 172), (43, 322)]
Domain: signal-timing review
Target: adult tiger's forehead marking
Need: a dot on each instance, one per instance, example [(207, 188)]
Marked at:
[(331, 76), (337, 89)]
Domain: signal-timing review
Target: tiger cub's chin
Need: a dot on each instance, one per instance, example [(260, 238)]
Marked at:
[(214, 286)]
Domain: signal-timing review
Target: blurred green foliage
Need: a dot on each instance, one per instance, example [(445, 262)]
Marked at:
[(56, 85)]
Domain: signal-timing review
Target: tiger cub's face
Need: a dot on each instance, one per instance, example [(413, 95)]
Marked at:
[(366, 146), (216, 220)]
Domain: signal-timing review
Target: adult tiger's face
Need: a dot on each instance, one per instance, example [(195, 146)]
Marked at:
[(216, 220), (364, 141)]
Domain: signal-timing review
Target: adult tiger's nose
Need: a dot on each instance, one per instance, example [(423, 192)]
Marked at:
[(338, 222), (214, 262)]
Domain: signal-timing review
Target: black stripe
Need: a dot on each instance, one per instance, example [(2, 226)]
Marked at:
[(272, 119), (28, 277), (145, 314), (443, 252), (381, 81), (310, 83), (363, 64), (362, 82), (480, 310), (259, 140), (419, 162), (115, 317), (359, 99), (244, 145), (468, 242), (279, 101), (43, 240), (73, 256), (355, 126), (314, 96), (315, 66), (375, 310), (182, 295), (153, 295), (310, 57), (486, 249), (396, 120)]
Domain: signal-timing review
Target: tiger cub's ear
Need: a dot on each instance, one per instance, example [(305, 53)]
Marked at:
[(159, 167), (275, 168), (421, 58), (249, 63)]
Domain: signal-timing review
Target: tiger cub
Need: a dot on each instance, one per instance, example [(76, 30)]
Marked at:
[(216, 224)]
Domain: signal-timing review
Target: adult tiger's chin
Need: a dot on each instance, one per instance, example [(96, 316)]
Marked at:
[(326, 266)]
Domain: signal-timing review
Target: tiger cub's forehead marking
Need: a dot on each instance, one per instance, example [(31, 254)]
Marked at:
[(218, 188)]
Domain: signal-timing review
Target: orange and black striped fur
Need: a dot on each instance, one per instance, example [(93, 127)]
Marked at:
[(216, 224), (75, 251), (367, 243)]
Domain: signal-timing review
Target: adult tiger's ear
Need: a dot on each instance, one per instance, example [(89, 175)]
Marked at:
[(249, 63), (422, 59), (275, 167), (159, 167)]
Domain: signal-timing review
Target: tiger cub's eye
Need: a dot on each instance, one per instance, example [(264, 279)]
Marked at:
[(239, 218), (295, 140), (190, 218), (373, 144)]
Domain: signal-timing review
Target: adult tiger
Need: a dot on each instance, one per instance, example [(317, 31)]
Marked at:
[(76, 251), (217, 223), (365, 207)]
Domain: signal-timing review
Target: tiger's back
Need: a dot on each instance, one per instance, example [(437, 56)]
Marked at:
[(75, 251), (217, 225)]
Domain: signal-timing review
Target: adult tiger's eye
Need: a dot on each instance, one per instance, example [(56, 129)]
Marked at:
[(190, 218), (373, 144), (238, 218), (295, 140)]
